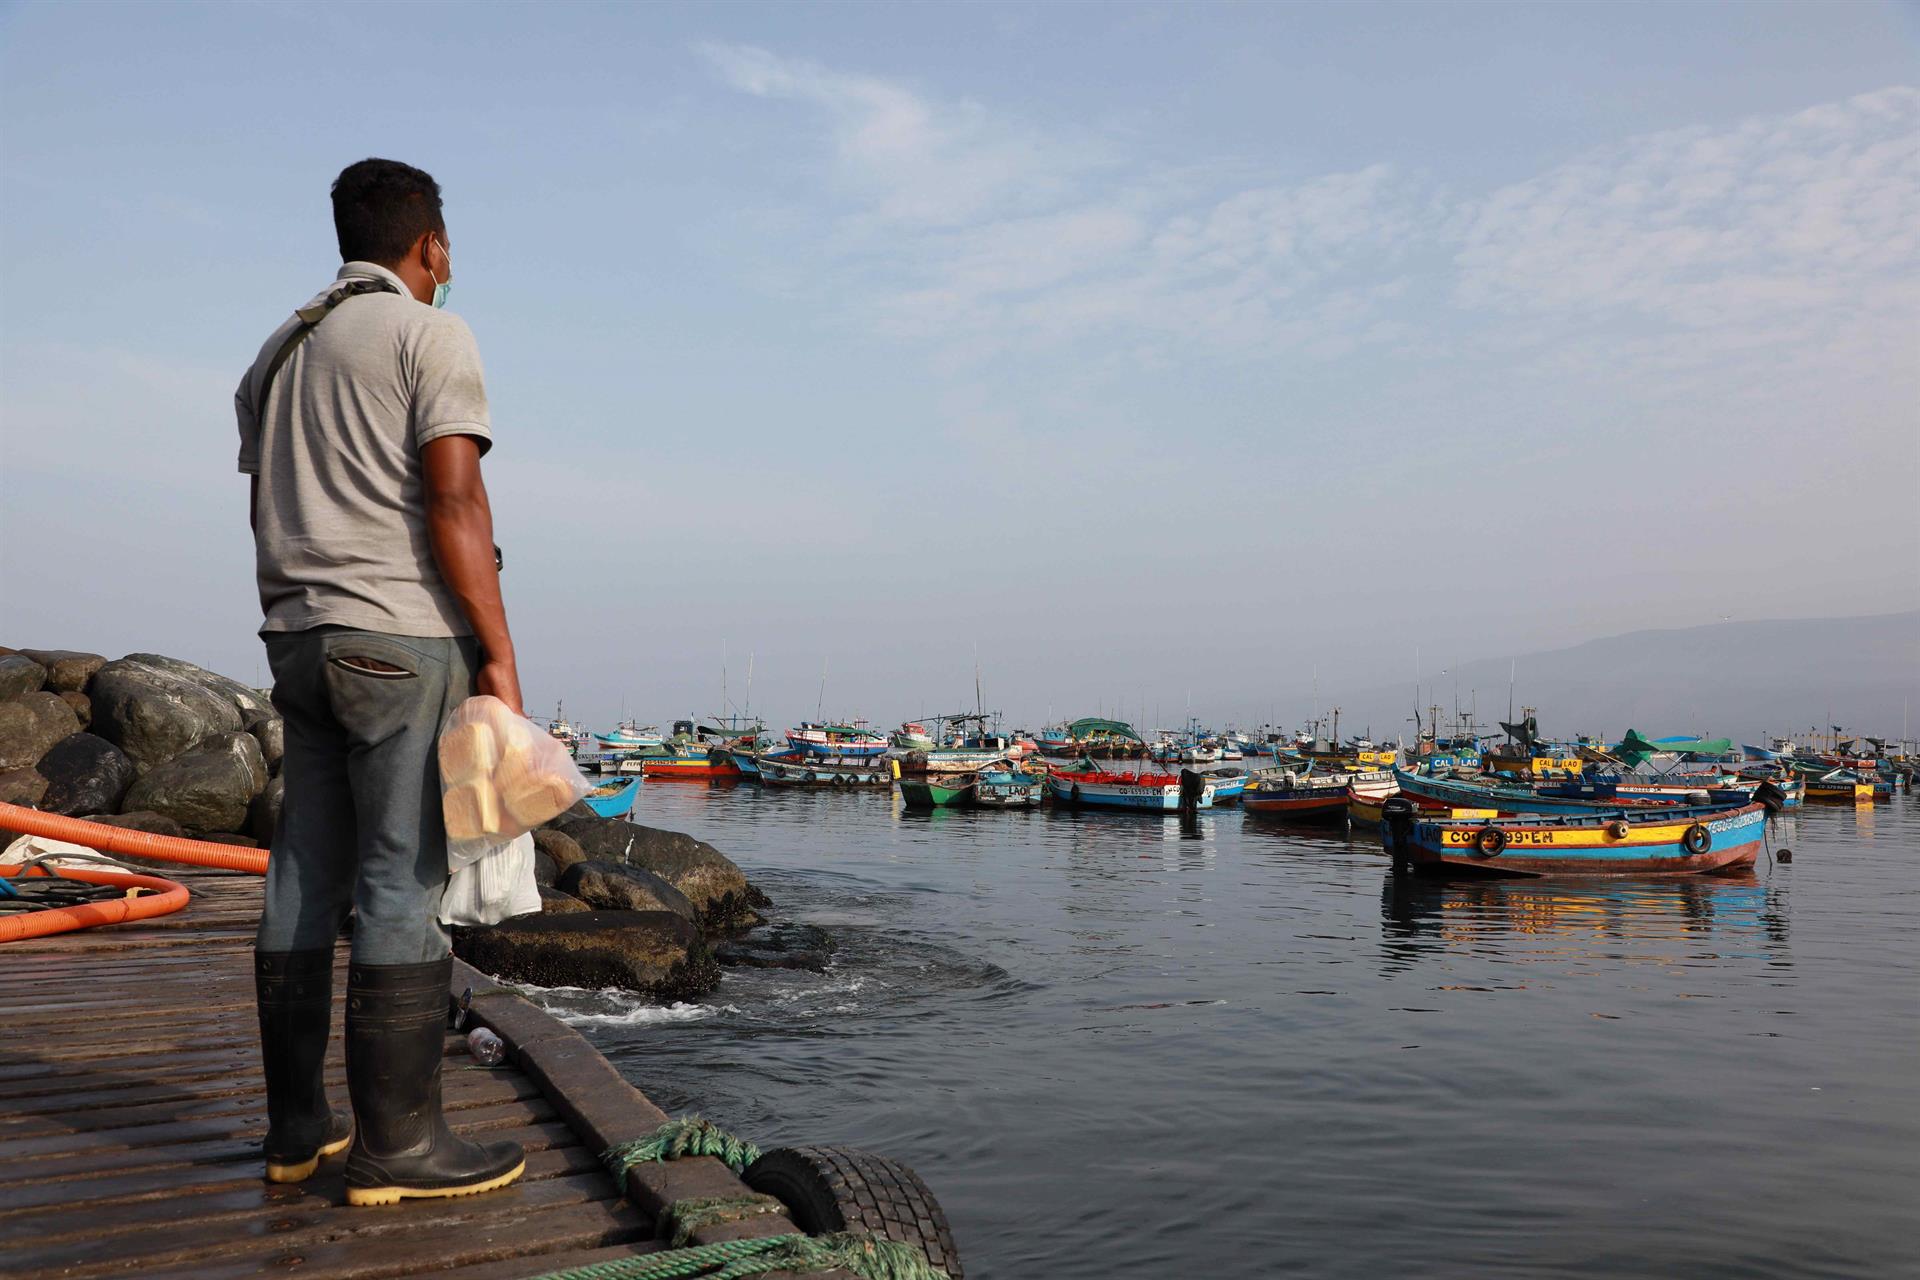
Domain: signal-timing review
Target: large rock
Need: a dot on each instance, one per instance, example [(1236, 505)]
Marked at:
[(68, 670), (270, 731), (20, 674), (248, 702), (655, 953), (560, 849), (154, 714), (86, 774), (554, 902), (717, 888), (615, 886), (782, 946), (21, 786), (205, 790), (263, 815), (30, 725), (81, 705)]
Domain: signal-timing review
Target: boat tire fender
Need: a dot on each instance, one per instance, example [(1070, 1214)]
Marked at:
[(1618, 829), (1490, 842), (1696, 839), (829, 1189), (1073, 796)]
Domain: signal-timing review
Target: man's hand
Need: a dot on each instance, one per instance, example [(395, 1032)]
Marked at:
[(502, 680), (460, 526)]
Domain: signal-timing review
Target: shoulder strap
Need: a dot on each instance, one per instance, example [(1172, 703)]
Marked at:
[(310, 318)]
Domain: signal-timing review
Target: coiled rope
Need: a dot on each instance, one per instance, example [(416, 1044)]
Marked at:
[(864, 1256), (687, 1136)]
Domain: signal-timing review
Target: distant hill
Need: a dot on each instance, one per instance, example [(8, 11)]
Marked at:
[(1730, 679)]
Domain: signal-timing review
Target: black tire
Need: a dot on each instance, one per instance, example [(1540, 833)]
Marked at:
[(1696, 839), (846, 1189), (1619, 829), (1490, 842)]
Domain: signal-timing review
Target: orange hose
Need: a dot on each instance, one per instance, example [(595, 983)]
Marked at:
[(134, 844), (166, 899)]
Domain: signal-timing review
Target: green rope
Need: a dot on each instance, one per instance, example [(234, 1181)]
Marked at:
[(672, 1265), (684, 1217), (687, 1136), (864, 1256)]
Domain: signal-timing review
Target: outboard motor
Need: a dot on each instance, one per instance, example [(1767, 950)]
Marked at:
[(1396, 826), (1771, 796)]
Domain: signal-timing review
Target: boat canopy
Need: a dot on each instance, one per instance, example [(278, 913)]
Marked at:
[(1634, 748), (1109, 728)]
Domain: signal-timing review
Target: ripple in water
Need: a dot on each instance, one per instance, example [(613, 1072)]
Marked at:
[(1115, 1050)]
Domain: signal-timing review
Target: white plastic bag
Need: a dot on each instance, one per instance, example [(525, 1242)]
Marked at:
[(501, 775), (489, 889)]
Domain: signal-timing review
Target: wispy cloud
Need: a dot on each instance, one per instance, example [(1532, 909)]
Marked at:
[(983, 235)]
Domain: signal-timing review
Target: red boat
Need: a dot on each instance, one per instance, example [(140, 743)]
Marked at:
[(703, 766)]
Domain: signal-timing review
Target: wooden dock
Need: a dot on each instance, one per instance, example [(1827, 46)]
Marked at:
[(131, 1112)]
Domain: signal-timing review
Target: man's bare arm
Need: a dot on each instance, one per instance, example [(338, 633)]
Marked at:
[(460, 526)]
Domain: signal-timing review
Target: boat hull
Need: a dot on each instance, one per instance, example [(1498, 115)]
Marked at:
[(1689, 840), (929, 793), (799, 771), (688, 768), (1100, 791), (617, 802)]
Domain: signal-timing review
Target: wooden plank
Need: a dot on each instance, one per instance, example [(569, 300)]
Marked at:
[(200, 1144), (95, 1219), (484, 1240), (300, 1225)]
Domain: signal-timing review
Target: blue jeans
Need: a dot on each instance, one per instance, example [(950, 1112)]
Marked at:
[(360, 823)]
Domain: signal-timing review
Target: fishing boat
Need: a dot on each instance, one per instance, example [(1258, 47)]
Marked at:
[(1669, 840), (632, 737), (1849, 786), (803, 770), (1228, 785), (1311, 797), (689, 763), (837, 741), (613, 799), (1429, 792), (1008, 788), (1092, 738), (911, 736), (938, 790), (570, 734), (1154, 792)]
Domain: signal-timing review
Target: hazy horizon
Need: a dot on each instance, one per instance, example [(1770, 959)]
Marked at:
[(1137, 353)]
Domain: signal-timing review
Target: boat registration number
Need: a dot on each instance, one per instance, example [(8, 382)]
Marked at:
[(1465, 839)]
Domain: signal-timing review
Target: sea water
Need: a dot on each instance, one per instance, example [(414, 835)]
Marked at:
[(1116, 1048)]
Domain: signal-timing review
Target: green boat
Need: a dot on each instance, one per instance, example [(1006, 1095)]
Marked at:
[(937, 791)]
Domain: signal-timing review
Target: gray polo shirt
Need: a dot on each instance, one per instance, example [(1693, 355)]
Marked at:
[(341, 524)]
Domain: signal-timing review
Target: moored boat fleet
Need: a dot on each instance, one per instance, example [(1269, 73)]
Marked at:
[(1452, 802)]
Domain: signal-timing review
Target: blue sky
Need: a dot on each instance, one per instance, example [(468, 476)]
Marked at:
[(1150, 352)]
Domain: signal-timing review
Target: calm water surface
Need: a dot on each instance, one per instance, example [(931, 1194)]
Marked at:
[(1115, 1051)]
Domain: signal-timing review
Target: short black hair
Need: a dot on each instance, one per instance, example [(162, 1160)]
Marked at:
[(380, 207)]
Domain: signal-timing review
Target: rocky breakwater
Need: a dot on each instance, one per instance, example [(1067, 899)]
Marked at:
[(156, 744), (144, 741)]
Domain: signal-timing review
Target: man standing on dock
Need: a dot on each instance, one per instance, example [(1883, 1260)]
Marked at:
[(362, 423)]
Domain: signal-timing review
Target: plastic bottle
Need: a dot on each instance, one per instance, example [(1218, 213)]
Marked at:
[(487, 1048)]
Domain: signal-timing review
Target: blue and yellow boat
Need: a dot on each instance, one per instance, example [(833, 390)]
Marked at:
[(1656, 840)]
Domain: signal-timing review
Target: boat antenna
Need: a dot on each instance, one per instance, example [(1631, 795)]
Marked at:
[(818, 707), (1513, 668), (748, 709)]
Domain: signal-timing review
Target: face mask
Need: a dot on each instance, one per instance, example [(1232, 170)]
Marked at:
[(441, 288)]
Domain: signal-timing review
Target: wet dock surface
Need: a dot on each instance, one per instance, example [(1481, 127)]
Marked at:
[(132, 1108)]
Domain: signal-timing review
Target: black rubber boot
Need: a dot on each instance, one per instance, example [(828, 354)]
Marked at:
[(294, 993), (402, 1149)]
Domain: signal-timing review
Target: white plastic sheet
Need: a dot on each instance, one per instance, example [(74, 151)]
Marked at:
[(489, 889)]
